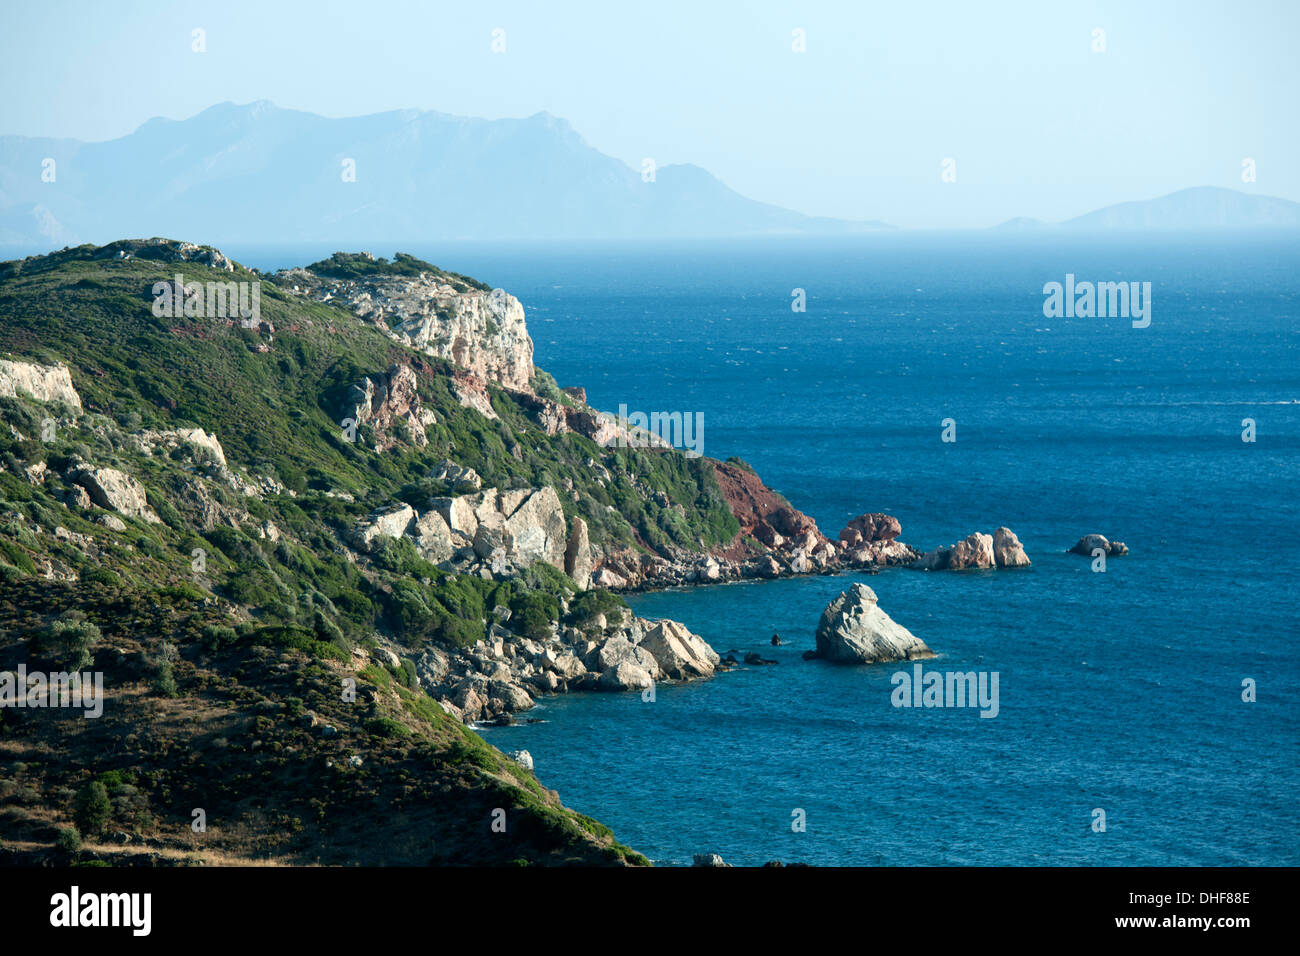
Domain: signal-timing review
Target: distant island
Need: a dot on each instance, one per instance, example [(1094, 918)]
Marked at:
[(1203, 207)]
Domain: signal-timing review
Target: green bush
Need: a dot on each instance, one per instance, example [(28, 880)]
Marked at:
[(91, 807), (72, 642), (386, 727), (584, 608), (217, 636), (164, 680), (531, 614)]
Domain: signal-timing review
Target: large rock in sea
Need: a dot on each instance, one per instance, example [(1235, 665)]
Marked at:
[(973, 551), (854, 630), (1090, 542), (619, 650), (1008, 552)]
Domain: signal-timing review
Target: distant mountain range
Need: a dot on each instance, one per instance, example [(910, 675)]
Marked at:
[(1203, 207), (257, 172)]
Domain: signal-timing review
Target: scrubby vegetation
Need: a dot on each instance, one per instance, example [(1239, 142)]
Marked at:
[(228, 625), (352, 265)]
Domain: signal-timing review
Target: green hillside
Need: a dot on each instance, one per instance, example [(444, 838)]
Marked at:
[(224, 628)]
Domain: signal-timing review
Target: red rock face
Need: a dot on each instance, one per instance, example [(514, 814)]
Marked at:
[(762, 513), (867, 528)]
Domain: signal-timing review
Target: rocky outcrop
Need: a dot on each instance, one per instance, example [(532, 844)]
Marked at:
[(382, 400), (768, 518), (505, 673), (680, 654), (391, 522), (499, 532), (872, 540), (868, 528), (432, 537), (604, 429), (854, 630), (460, 478), (1007, 549), (972, 552), (1091, 542), (113, 490), (534, 526), (518, 527), (472, 392), (479, 330), (45, 383), (577, 555), (208, 510), (166, 250), (522, 757), (199, 443)]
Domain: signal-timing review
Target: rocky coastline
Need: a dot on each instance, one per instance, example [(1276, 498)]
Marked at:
[(500, 533)]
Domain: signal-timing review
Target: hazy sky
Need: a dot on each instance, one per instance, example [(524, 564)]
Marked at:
[(856, 127)]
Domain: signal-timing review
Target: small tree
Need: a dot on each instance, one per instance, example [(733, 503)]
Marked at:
[(69, 840), (73, 642), (92, 807)]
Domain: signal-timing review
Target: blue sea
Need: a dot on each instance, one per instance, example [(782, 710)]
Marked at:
[(1119, 692)]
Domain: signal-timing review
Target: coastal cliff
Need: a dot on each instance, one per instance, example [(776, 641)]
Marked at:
[(438, 313), (344, 474)]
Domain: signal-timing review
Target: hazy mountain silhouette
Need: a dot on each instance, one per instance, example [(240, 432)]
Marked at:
[(257, 172)]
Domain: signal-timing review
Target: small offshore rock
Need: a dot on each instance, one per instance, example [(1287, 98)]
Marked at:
[(1090, 542)]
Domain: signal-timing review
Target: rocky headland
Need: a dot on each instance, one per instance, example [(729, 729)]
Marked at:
[(373, 483)]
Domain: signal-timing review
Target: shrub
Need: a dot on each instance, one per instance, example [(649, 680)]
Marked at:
[(386, 727), (164, 680), (72, 642), (217, 636), (531, 614), (586, 606), (69, 840), (91, 807)]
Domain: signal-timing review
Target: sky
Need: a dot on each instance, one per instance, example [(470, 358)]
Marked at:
[(1037, 121)]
